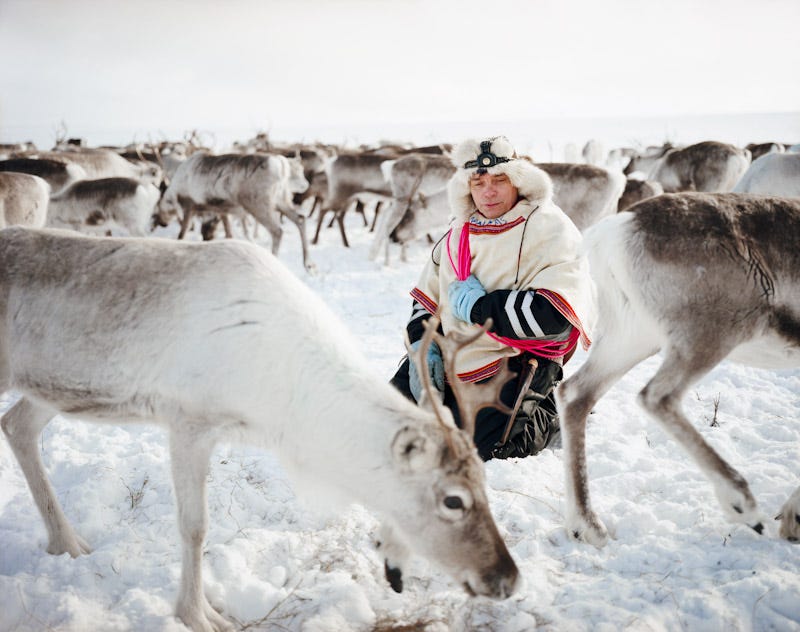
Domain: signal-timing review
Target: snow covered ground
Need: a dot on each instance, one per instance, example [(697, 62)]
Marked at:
[(273, 562)]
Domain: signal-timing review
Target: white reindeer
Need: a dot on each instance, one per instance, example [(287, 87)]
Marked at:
[(709, 166), (772, 174), (95, 206), (261, 184), (105, 163), (218, 341), (412, 178), (57, 174), (699, 277)]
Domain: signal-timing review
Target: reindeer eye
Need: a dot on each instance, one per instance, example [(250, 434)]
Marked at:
[(453, 502)]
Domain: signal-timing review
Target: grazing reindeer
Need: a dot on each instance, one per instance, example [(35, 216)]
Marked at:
[(700, 277), (218, 341), (261, 184)]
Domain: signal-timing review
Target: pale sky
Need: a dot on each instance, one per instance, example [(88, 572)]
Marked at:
[(107, 68)]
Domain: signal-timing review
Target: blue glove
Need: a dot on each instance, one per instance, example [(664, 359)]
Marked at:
[(435, 369), (463, 295)]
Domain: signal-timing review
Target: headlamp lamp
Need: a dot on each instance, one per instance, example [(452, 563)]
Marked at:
[(485, 159)]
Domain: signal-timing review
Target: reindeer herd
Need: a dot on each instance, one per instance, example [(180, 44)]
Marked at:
[(112, 329)]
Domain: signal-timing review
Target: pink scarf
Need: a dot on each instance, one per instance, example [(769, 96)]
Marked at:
[(550, 349)]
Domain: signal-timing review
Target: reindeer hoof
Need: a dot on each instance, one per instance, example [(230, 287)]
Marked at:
[(311, 268), (394, 576), (591, 530), (74, 544)]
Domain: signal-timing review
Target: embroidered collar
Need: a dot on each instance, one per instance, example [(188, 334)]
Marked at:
[(480, 225), (492, 227)]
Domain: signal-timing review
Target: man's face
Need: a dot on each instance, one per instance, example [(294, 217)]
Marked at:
[(494, 195)]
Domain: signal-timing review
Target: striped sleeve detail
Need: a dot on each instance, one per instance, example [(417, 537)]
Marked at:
[(520, 315), (423, 299), (415, 326), (418, 311)]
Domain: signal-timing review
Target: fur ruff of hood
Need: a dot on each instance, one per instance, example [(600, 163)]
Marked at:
[(533, 184)]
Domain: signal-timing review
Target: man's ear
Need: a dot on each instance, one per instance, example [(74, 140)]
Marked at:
[(413, 450)]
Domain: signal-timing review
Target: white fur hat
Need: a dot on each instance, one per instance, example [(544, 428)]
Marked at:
[(493, 155)]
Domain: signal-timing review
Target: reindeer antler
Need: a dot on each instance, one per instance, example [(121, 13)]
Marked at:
[(159, 158), (471, 397), (420, 359)]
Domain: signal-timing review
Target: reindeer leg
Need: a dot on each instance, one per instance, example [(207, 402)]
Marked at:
[(226, 223), (244, 220), (269, 218), (22, 426), (376, 212), (315, 202), (188, 214), (340, 220), (360, 209), (662, 399), (298, 220), (190, 456), (575, 397), (320, 219)]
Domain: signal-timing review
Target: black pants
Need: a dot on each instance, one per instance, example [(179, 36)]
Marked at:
[(490, 422)]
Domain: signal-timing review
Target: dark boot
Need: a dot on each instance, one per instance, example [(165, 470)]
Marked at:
[(536, 426)]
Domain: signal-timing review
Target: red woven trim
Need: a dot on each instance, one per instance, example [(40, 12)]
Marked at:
[(482, 373), (494, 229), (424, 300), (566, 310)]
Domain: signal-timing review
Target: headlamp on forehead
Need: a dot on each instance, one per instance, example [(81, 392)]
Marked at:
[(485, 159)]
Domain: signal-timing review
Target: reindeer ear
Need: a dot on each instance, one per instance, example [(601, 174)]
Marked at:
[(413, 450)]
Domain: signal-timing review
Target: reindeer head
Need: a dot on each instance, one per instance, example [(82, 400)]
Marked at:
[(297, 178), (440, 464), (166, 209)]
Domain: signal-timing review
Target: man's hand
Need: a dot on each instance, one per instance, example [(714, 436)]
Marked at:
[(463, 295), (435, 370)]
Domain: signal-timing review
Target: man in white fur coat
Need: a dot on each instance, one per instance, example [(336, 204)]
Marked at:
[(511, 254)]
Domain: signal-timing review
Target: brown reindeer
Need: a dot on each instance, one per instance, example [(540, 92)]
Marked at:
[(701, 278)]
